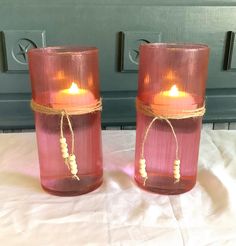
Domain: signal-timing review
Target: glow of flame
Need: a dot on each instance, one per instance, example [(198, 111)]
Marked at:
[(146, 79), (74, 89), (60, 75), (90, 80), (174, 91), (170, 76)]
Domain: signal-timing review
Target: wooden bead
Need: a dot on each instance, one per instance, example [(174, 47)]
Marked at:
[(176, 162), (142, 173), (142, 166), (72, 157), (177, 176), (62, 140), (63, 145), (142, 169), (74, 168), (176, 172), (72, 162), (65, 155), (64, 150), (142, 162), (74, 171)]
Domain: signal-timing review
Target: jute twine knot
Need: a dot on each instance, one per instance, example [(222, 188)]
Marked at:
[(69, 157), (152, 111)]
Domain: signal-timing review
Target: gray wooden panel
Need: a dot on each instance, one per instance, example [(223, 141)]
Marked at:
[(97, 22), (232, 126), (221, 126), (113, 128), (75, 23), (129, 128)]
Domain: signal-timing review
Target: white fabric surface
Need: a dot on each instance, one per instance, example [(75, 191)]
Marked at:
[(118, 213)]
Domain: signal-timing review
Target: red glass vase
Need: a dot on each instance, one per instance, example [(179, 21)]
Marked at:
[(67, 78), (172, 81)]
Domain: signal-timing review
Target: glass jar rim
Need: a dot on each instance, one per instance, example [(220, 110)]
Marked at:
[(176, 46), (64, 50)]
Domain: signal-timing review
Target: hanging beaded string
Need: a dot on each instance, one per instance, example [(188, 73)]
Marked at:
[(69, 158), (148, 110), (142, 161)]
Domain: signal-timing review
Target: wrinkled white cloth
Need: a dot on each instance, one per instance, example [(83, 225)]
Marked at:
[(118, 213)]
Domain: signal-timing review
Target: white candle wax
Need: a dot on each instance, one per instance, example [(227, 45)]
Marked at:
[(174, 101), (73, 97)]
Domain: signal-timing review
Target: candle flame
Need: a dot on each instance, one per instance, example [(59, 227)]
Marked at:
[(74, 89), (174, 91)]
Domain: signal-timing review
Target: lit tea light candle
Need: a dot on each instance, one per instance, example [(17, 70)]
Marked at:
[(72, 97), (174, 101)]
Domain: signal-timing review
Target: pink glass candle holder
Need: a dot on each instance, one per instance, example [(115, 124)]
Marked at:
[(64, 79), (170, 106)]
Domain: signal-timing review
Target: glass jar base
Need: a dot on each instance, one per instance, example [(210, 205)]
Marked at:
[(72, 187), (166, 185)]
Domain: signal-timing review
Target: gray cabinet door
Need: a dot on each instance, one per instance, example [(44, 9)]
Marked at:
[(97, 23)]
